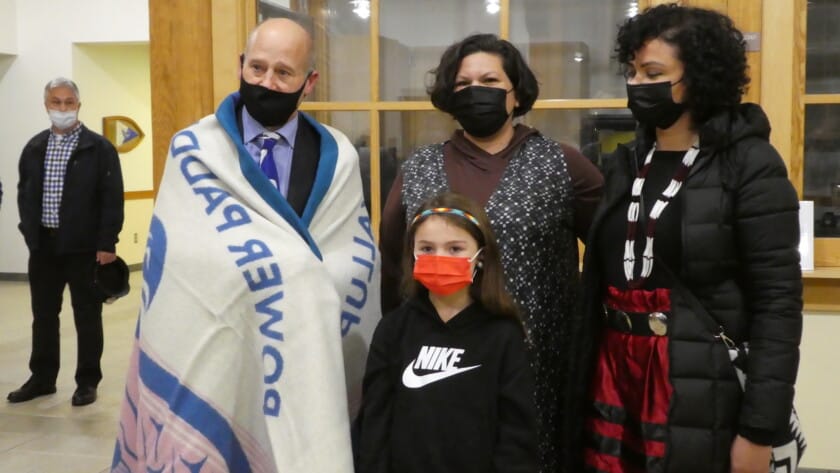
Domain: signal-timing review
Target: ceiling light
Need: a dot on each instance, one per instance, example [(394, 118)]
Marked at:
[(361, 8)]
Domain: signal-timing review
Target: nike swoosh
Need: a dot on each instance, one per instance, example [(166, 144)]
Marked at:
[(412, 380)]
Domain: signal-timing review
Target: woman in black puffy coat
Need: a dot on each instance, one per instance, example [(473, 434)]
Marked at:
[(694, 245)]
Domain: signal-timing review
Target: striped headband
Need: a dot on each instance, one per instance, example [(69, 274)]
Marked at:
[(445, 210)]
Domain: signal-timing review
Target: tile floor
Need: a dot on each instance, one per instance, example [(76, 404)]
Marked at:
[(47, 434)]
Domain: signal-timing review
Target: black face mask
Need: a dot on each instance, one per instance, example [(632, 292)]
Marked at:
[(480, 110), (269, 107), (653, 104)]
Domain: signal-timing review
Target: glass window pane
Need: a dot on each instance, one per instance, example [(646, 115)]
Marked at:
[(356, 126), (402, 133), (414, 34), (569, 45), (342, 46), (822, 64), (595, 133), (822, 167)]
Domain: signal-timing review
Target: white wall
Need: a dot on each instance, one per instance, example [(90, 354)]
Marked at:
[(816, 390), (121, 74), (46, 32), (8, 28)]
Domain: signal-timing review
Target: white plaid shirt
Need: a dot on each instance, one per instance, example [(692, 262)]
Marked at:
[(59, 150)]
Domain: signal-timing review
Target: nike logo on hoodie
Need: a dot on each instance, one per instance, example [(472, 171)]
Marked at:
[(440, 360)]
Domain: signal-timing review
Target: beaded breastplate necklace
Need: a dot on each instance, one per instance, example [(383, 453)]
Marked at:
[(635, 207)]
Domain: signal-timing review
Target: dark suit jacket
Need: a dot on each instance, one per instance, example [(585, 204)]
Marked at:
[(305, 158)]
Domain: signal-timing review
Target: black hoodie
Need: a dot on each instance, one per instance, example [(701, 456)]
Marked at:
[(447, 397)]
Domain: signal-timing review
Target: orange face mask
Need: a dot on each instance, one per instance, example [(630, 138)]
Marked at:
[(443, 275)]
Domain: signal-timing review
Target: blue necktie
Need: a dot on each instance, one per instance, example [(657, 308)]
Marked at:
[(267, 158)]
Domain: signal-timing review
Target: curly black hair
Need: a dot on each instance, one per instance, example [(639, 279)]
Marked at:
[(709, 46), (524, 82)]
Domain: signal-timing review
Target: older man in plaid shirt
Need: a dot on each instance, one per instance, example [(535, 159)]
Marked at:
[(70, 199)]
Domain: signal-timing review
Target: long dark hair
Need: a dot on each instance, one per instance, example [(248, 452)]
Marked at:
[(488, 287)]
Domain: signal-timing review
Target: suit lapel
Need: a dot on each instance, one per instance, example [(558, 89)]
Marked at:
[(305, 158)]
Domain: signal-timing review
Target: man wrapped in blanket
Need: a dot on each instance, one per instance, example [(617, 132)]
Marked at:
[(260, 286)]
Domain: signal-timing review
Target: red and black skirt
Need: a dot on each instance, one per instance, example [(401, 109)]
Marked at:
[(630, 391)]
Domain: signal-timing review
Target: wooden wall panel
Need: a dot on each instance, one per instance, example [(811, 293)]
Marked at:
[(719, 5), (822, 294), (377, 200), (748, 18), (319, 12), (653, 3), (826, 252), (180, 46), (778, 88), (797, 132), (504, 19), (231, 22)]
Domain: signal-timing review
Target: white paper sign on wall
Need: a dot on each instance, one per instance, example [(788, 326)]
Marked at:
[(806, 235)]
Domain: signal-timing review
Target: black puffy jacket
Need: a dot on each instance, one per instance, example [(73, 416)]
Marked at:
[(739, 266), (91, 212)]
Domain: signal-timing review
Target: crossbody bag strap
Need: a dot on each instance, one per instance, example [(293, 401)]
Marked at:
[(708, 319)]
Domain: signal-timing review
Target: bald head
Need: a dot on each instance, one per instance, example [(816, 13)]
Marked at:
[(295, 33)]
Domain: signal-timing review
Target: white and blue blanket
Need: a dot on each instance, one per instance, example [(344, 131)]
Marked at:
[(255, 323)]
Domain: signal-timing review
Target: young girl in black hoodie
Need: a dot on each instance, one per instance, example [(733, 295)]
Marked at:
[(448, 387)]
